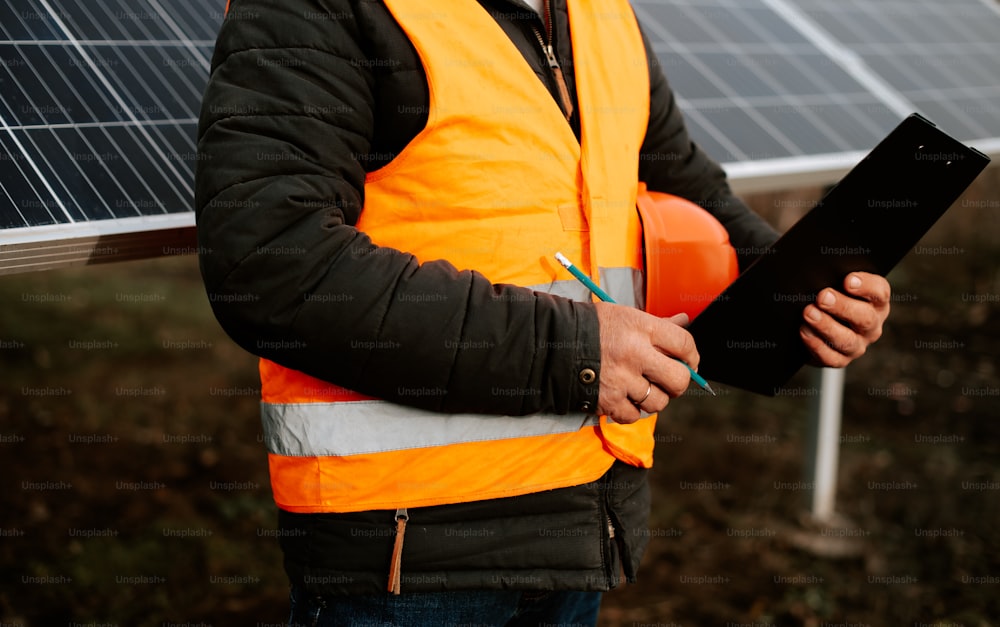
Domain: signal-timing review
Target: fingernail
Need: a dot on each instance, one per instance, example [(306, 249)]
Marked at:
[(813, 314), (826, 300), (854, 282), (806, 331)]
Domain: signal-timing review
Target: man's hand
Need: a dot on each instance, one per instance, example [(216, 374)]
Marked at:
[(840, 325), (636, 351)]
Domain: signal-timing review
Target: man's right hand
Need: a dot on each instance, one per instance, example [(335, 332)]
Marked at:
[(636, 351)]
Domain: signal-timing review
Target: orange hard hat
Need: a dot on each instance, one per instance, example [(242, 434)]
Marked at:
[(689, 260)]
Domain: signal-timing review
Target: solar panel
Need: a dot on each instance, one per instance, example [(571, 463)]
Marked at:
[(790, 93), (754, 88), (944, 57), (99, 106), (99, 103)]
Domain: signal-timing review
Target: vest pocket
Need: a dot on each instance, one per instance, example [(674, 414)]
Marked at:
[(572, 217)]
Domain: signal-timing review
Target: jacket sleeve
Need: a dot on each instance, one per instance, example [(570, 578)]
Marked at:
[(287, 111), (670, 162)]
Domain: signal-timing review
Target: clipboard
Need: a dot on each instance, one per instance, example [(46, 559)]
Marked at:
[(748, 337)]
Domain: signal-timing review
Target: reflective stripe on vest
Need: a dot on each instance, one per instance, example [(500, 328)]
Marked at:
[(497, 183), (361, 427)]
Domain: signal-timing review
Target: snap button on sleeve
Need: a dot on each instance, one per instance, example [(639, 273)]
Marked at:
[(588, 376)]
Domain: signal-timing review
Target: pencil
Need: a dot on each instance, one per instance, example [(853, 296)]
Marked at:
[(593, 287)]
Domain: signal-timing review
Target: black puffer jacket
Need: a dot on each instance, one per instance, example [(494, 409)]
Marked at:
[(304, 98)]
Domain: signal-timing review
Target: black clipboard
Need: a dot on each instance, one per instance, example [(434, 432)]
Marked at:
[(748, 337)]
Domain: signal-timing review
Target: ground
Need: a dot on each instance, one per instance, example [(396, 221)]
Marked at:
[(134, 491)]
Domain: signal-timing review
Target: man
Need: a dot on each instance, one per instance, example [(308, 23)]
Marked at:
[(448, 417)]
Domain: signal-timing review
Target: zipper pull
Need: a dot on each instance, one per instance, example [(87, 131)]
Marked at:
[(395, 567), (567, 102), (550, 54)]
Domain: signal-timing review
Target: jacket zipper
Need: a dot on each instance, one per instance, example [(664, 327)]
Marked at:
[(613, 549), (550, 56)]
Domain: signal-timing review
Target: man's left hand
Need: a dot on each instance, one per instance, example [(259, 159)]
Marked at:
[(840, 325)]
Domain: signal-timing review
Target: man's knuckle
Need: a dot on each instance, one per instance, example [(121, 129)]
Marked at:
[(687, 344), (835, 359), (852, 346), (863, 326)]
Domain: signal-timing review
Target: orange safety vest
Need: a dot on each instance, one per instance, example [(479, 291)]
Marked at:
[(496, 182)]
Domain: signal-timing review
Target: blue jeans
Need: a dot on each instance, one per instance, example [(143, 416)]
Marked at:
[(476, 608)]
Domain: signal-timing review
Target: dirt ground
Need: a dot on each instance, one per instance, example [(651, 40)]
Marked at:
[(133, 483)]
